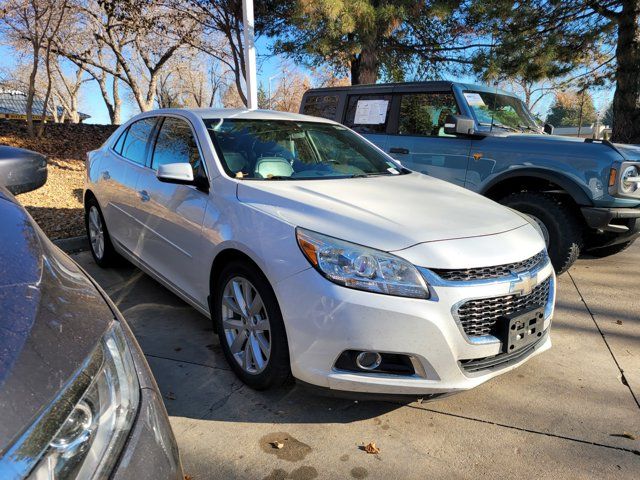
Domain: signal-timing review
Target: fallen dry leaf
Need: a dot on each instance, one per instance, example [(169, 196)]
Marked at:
[(628, 435), (188, 477), (277, 445), (618, 322), (371, 448)]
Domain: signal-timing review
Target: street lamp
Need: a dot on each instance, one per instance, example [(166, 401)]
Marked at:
[(250, 54)]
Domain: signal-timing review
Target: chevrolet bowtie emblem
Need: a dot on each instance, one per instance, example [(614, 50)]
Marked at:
[(524, 285)]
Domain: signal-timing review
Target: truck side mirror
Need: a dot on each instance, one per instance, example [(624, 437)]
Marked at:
[(459, 125), (548, 128)]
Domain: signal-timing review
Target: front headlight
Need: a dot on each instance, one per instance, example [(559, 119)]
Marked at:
[(630, 180), (360, 267), (89, 441)]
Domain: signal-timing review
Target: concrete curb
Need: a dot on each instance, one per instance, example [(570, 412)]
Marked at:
[(73, 244)]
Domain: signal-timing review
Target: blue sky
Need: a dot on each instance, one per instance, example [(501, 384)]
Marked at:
[(91, 101)]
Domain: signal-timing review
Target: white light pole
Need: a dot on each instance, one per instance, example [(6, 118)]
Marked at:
[(250, 54)]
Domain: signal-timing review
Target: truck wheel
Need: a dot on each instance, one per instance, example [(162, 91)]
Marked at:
[(564, 230), (610, 250)]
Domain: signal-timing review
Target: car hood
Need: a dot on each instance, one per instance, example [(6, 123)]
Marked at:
[(629, 152), (52, 319), (387, 213)]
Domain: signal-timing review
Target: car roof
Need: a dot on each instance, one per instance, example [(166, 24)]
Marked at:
[(432, 85), (240, 113)]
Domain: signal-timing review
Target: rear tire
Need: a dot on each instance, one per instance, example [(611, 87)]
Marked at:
[(250, 326), (565, 231), (102, 249)]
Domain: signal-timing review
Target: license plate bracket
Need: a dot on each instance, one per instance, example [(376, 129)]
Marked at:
[(522, 329)]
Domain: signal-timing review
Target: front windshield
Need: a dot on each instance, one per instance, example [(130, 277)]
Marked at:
[(503, 111), (287, 150)]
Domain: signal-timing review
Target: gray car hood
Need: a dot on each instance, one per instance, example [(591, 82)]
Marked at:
[(52, 318)]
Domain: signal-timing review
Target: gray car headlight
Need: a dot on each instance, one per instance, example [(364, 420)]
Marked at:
[(630, 180), (362, 268), (89, 441)]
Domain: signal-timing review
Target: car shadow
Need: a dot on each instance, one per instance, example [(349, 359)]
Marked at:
[(195, 379)]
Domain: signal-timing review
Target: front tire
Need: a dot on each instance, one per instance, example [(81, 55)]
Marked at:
[(250, 326), (102, 249), (565, 233), (610, 250)]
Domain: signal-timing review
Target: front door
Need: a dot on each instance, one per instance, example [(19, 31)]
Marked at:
[(420, 143), (173, 214)]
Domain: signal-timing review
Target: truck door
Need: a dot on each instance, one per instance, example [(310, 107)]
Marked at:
[(368, 114), (419, 141)]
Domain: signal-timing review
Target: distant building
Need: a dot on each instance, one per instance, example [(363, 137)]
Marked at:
[(597, 131), (13, 106)]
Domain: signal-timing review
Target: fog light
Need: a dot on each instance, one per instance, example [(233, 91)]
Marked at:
[(368, 360)]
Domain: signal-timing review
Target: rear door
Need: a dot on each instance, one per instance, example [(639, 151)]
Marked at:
[(368, 114), (173, 214), (118, 176), (418, 140)]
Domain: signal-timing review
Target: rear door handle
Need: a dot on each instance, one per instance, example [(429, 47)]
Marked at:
[(403, 151), (105, 175), (144, 195)]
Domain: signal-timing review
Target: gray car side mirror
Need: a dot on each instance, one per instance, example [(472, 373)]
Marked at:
[(180, 173), (459, 125), (22, 170)]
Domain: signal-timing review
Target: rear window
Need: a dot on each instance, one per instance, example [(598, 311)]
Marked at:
[(325, 106), (368, 113), (134, 147)]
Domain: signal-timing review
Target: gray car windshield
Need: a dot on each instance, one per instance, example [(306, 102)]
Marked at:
[(287, 150), (502, 111)]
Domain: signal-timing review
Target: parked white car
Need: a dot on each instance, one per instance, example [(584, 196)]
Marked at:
[(318, 255)]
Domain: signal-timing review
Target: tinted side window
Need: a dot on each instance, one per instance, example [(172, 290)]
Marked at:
[(425, 113), (324, 106), (176, 144), (118, 146), (368, 113), (135, 144)]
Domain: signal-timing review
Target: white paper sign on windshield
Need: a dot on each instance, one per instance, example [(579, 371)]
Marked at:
[(371, 112), (474, 99)]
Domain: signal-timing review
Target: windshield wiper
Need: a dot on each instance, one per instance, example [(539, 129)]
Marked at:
[(500, 125)]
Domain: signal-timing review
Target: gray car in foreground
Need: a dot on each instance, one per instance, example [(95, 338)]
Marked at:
[(77, 398)]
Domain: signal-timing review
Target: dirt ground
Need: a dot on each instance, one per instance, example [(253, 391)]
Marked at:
[(57, 206)]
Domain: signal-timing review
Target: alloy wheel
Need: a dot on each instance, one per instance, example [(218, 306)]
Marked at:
[(246, 325), (96, 232)]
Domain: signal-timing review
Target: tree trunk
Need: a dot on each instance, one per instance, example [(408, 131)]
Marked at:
[(626, 100), (364, 67), (31, 91), (117, 102)]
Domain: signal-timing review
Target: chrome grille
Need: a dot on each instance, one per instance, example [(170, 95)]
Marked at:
[(478, 317), (487, 273)]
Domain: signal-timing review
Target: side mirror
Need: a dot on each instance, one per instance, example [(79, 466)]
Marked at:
[(180, 173), (459, 125), (22, 170), (548, 128)]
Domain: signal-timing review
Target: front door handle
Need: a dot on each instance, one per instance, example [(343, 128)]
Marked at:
[(144, 195), (403, 151)]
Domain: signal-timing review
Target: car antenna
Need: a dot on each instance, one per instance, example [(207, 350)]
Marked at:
[(495, 84)]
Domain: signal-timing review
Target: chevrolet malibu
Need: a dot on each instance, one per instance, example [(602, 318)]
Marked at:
[(317, 255)]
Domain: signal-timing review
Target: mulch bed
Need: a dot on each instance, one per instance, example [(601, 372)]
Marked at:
[(57, 206)]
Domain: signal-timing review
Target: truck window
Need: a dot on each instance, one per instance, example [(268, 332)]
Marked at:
[(425, 113), (324, 106), (368, 113)]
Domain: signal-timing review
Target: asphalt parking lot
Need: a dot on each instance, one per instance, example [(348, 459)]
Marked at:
[(571, 412)]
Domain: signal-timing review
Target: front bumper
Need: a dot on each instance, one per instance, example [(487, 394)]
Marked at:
[(620, 224), (324, 319)]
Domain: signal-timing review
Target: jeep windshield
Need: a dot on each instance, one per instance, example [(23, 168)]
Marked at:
[(288, 150), (495, 110)]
